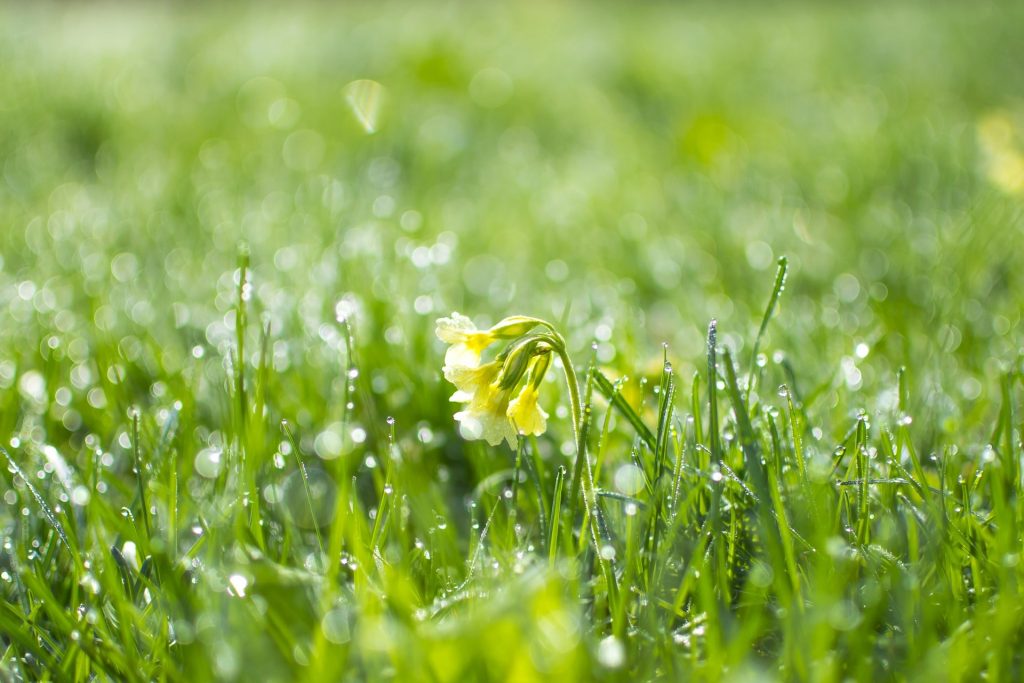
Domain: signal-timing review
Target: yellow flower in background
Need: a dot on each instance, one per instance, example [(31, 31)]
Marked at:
[(1000, 142)]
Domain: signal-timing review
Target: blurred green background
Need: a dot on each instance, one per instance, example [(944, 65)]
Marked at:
[(631, 171)]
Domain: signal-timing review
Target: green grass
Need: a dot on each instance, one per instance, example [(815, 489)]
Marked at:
[(229, 449)]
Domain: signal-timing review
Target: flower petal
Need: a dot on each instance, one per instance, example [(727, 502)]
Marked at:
[(453, 330), (528, 416), (461, 355)]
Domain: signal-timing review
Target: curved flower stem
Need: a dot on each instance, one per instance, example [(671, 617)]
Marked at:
[(595, 525)]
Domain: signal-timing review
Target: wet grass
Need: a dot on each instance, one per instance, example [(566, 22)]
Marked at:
[(225, 235)]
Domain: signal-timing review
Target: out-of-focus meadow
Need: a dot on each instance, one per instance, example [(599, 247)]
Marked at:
[(627, 171), (643, 166)]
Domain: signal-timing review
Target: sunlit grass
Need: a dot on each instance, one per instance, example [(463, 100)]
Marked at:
[(230, 454)]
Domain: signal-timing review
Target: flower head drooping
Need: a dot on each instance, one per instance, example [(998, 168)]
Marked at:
[(491, 413), (468, 343)]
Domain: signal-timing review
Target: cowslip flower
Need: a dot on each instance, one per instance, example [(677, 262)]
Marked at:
[(524, 411), (469, 380), (468, 343), (491, 413), (485, 417)]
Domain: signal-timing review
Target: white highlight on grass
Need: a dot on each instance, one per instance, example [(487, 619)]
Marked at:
[(335, 625), (629, 479), (80, 496), (238, 585), (32, 386), (209, 462), (611, 653), (364, 98), (130, 554)]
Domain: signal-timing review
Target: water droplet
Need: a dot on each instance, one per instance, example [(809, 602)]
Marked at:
[(611, 653), (237, 585), (335, 625), (209, 462)]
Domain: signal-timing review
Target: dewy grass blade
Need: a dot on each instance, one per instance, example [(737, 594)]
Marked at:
[(773, 300), (301, 466), (608, 390), (140, 475), (657, 549), (555, 516), (714, 436), (43, 506)]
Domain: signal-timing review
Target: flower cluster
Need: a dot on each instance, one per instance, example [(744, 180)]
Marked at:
[(501, 394)]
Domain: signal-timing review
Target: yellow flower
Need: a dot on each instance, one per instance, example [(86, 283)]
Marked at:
[(487, 388), (470, 380), (1002, 153), (486, 416), (467, 342), (528, 417)]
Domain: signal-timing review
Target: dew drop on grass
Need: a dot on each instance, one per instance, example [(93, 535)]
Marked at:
[(335, 625), (237, 585), (628, 479), (209, 462), (424, 434), (130, 553), (611, 653)]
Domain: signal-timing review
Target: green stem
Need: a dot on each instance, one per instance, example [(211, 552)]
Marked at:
[(596, 527)]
